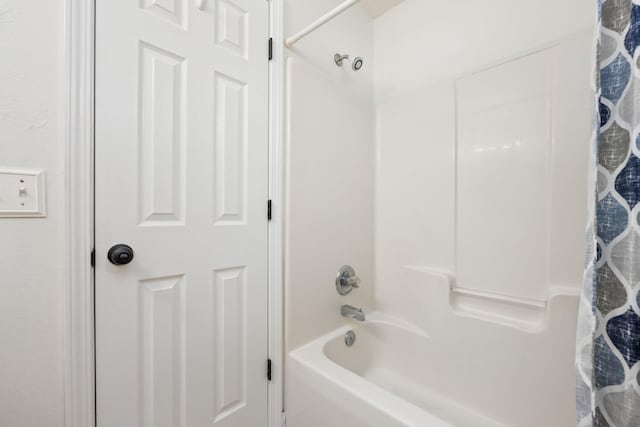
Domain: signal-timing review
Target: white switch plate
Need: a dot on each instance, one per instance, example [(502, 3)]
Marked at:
[(22, 193)]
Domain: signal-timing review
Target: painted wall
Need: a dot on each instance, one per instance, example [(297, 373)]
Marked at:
[(330, 157), (31, 263), (433, 59)]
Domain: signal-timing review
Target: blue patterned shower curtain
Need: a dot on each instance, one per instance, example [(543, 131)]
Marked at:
[(608, 342)]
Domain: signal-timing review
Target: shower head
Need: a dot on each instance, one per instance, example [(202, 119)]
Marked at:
[(356, 63)]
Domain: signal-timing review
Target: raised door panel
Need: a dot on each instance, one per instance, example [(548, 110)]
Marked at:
[(161, 154), (162, 351), (231, 122), (172, 11), (230, 336), (232, 27)]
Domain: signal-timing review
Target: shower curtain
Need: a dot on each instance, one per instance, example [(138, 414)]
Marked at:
[(608, 342)]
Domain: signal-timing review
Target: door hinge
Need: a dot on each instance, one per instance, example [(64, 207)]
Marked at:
[(93, 257), (268, 369), (270, 48), (269, 210)]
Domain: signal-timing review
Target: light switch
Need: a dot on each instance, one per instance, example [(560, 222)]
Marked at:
[(22, 193)]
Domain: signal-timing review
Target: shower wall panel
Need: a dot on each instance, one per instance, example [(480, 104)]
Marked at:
[(503, 177), (519, 231), (330, 169), (507, 216)]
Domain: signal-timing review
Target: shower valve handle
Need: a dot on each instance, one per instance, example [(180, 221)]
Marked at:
[(346, 280), (354, 282)]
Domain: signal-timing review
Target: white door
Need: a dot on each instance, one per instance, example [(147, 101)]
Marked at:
[(181, 178)]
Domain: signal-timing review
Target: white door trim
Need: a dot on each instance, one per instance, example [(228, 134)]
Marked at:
[(79, 357), (79, 354)]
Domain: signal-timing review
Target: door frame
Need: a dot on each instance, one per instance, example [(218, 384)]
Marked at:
[(79, 324)]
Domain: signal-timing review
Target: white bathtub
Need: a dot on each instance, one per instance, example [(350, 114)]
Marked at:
[(373, 383), (395, 375)]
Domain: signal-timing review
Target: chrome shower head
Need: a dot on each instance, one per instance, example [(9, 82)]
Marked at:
[(356, 63)]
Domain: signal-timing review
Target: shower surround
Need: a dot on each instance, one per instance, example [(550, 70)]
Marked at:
[(409, 171)]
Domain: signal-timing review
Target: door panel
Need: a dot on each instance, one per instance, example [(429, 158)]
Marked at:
[(181, 177)]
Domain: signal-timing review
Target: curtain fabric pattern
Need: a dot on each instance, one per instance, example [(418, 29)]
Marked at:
[(608, 346)]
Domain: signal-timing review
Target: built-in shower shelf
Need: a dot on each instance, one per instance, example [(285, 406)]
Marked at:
[(511, 311), (440, 289), (525, 314)]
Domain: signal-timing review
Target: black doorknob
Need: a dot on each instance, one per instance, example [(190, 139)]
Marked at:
[(120, 254)]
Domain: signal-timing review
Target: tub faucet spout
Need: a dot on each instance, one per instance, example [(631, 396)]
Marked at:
[(352, 313)]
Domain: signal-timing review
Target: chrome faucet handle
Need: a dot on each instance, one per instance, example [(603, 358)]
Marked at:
[(354, 282), (346, 280)]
